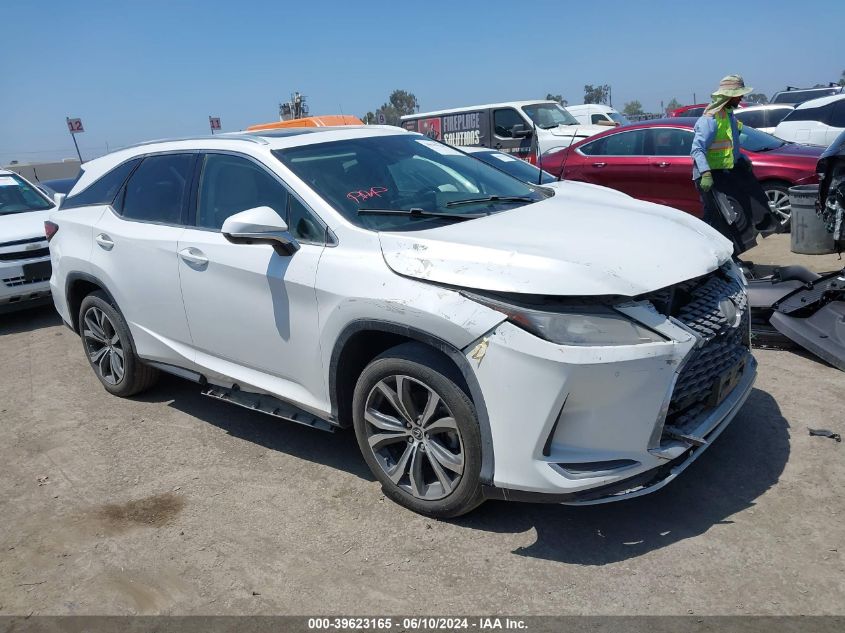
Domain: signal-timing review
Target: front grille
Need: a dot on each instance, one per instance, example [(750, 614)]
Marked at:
[(14, 282), (29, 240), (696, 304), (39, 252)]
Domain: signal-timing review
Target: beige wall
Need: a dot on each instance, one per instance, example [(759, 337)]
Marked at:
[(46, 171)]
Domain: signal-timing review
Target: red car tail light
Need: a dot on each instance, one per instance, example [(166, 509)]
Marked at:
[(50, 229)]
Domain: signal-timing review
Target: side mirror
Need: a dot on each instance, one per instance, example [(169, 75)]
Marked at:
[(260, 225), (59, 199), (520, 130)]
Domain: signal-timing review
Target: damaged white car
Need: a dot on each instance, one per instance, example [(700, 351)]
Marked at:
[(485, 338)]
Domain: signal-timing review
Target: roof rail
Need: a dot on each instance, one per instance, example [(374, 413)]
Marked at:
[(227, 136)]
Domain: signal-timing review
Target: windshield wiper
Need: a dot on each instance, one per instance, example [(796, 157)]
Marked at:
[(457, 203), (422, 213)]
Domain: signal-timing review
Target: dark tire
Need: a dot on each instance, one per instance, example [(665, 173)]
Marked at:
[(778, 196), (110, 350), (425, 446)]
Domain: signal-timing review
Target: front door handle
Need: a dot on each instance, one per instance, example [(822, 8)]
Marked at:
[(104, 241), (193, 256), (599, 164), (662, 163)]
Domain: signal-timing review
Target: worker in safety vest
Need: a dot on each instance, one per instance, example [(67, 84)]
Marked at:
[(734, 202)]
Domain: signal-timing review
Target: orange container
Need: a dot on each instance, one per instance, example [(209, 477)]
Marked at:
[(325, 120)]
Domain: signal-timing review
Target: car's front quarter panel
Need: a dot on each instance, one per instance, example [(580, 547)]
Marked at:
[(354, 284)]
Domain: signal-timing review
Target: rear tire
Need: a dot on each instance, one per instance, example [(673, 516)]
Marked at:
[(418, 431), (110, 350)]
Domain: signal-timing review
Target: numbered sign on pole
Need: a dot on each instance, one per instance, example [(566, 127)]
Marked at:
[(214, 123), (381, 118), (74, 126)]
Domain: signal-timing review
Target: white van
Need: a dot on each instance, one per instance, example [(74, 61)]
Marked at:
[(597, 114), (508, 127)]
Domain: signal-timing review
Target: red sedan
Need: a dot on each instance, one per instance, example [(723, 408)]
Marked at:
[(651, 161)]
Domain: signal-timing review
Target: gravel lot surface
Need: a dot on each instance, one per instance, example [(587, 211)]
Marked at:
[(172, 503)]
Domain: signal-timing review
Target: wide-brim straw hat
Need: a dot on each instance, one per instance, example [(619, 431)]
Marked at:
[(732, 86)]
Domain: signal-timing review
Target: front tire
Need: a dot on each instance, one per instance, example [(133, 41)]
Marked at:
[(109, 349), (418, 431)]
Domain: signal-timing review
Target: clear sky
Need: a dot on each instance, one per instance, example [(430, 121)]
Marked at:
[(136, 70)]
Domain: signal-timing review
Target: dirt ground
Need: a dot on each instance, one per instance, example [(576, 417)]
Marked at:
[(172, 503)]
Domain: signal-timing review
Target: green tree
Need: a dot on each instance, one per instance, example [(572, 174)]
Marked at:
[(757, 97), (674, 104), (399, 103), (596, 94), (558, 98), (842, 79), (633, 108)]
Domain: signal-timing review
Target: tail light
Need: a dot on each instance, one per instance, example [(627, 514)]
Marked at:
[(50, 229)]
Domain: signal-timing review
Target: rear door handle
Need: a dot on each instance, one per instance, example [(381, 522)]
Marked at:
[(193, 256), (599, 164), (662, 163), (104, 241)]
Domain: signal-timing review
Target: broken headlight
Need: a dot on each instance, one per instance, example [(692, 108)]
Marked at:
[(588, 324)]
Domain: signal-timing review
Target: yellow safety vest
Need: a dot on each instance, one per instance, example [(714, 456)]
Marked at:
[(720, 154)]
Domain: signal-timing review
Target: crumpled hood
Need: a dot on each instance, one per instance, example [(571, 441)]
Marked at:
[(23, 226), (586, 240)]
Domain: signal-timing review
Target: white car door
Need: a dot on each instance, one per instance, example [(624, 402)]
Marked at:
[(135, 254), (252, 312)]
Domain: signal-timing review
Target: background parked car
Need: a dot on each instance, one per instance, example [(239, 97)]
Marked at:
[(516, 127), (651, 161), (763, 117), (694, 110), (516, 167), (24, 256), (597, 114), (60, 185), (817, 122), (797, 96)]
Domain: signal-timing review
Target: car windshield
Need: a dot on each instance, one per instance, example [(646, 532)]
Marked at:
[(409, 176), (621, 119), (754, 140), (549, 115), (18, 196), (516, 167)]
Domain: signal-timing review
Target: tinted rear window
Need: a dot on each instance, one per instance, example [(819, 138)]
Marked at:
[(104, 190)]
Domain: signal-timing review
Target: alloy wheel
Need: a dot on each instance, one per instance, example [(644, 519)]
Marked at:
[(780, 205), (103, 345), (414, 437)]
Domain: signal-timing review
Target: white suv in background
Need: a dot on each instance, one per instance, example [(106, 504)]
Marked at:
[(484, 337), (24, 256), (816, 122)]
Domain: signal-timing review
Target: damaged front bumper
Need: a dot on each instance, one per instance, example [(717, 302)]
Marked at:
[(584, 425)]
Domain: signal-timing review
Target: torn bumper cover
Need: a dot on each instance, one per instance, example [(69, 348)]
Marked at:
[(806, 308), (586, 425)]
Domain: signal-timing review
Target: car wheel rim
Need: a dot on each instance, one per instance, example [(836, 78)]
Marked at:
[(414, 437), (779, 205), (103, 345)]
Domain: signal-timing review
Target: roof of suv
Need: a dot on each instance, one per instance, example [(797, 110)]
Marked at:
[(821, 101), (264, 139)]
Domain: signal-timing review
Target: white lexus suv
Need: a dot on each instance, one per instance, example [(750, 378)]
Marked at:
[(484, 337)]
